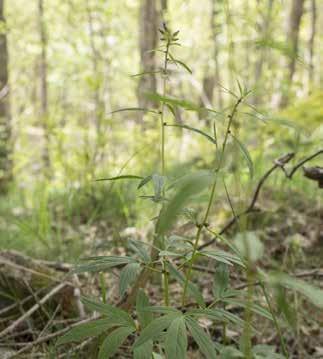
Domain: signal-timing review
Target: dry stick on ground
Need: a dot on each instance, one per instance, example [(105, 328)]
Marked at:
[(49, 337), (33, 309)]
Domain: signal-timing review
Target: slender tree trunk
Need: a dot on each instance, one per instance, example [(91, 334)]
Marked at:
[(96, 97), (264, 30), (5, 126), (292, 38), (212, 79), (311, 45), (148, 38), (43, 69)]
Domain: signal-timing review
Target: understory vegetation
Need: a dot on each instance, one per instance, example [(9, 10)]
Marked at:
[(183, 226)]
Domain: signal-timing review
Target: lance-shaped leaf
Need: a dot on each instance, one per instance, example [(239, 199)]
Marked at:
[(122, 177), (246, 154), (203, 340), (144, 181), (134, 109), (176, 339), (102, 263), (314, 294), (108, 310), (87, 330), (193, 185), (153, 330), (113, 341), (127, 276), (142, 302), (187, 105), (193, 290), (196, 130)]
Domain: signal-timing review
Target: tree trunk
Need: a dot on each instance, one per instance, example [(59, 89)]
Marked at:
[(292, 35), (43, 86), (148, 32), (212, 79), (5, 126), (311, 45), (264, 30)]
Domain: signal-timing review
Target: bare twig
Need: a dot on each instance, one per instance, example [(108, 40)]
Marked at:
[(279, 163), (32, 309), (48, 337)]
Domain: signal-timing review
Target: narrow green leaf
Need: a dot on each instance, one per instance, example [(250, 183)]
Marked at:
[(110, 311), (211, 139), (314, 294), (249, 246), (133, 109), (193, 290), (119, 178), (146, 73), (161, 310), (223, 257), (181, 63), (127, 276), (246, 154), (192, 186), (144, 351), (142, 302), (176, 339), (203, 340), (221, 280), (187, 105), (98, 264), (144, 181), (253, 306), (113, 341), (140, 249), (87, 330), (153, 330), (158, 185)]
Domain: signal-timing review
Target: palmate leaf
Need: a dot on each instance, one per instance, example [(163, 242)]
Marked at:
[(246, 155), (153, 330), (196, 130), (87, 330), (102, 263), (113, 341), (127, 276), (176, 339), (116, 178), (203, 340)]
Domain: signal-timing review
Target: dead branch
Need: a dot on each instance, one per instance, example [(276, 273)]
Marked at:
[(32, 309), (279, 163)]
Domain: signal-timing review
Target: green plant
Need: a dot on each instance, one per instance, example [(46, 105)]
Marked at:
[(164, 330)]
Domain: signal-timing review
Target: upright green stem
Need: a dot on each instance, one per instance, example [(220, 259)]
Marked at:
[(162, 126), (281, 338), (211, 198)]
